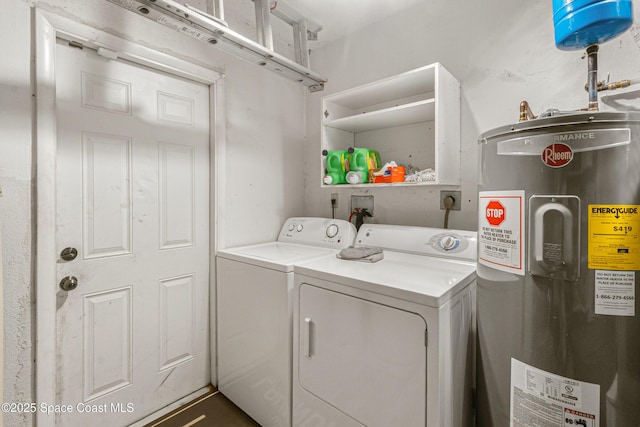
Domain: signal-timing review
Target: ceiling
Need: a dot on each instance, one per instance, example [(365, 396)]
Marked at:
[(341, 17)]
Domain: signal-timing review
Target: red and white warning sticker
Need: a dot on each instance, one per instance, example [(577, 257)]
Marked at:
[(501, 230), (574, 418)]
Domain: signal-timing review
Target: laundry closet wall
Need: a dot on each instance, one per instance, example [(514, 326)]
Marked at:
[(501, 51), (262, 184), (16, 202)]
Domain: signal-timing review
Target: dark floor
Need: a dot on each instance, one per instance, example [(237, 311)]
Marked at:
[(210, 410)]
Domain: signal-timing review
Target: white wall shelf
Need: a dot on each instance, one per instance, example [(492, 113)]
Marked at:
[(400, 115), (384, 185), (412, 118)]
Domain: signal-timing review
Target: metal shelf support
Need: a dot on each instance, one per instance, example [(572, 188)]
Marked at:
[(214, 30)]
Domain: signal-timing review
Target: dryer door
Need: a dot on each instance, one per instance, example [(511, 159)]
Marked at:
[(365, 359)]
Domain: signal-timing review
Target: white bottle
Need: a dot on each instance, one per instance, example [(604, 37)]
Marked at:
[(356, 177)]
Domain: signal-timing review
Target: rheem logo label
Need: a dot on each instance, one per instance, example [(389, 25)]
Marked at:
[(557, 155), (495, 213)]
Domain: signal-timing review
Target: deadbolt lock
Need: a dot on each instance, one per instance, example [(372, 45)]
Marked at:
[(69, 283), (69, 254)]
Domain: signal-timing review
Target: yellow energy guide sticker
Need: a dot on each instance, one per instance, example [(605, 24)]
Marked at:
[(614, 237)]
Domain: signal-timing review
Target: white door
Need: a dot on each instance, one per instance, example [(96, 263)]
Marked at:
[(132, 196)]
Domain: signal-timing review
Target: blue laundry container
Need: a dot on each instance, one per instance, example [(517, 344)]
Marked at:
[(580, 23)]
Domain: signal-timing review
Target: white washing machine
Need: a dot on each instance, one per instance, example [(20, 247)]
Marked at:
[(254, 314), (389, 343)]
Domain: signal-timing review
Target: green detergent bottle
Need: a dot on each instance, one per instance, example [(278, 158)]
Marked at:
[(336, 166), (363, 160)]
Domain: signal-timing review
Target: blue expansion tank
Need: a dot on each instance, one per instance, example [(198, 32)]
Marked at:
[(580, 23)]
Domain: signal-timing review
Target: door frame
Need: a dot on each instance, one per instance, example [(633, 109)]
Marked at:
[(47, 27)]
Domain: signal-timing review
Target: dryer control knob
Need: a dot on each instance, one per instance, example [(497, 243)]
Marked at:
[(449, 242), (299, 228), (332, 231), (291, 227)]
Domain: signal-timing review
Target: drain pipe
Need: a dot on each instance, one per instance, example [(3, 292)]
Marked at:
[(592, 76)]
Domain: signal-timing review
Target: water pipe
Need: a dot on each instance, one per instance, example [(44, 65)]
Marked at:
[(592, 76)]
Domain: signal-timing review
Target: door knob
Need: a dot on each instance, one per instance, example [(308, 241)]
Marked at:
[(69, 254), (69, 283)]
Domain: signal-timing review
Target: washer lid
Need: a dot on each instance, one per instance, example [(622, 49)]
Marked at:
[(422, 279), (275, 255)]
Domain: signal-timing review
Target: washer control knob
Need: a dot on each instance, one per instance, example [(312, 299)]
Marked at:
[(299, 227), (292, 227), (449, 242), (332, 231)]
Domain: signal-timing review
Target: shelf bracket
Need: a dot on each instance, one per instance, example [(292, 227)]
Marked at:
[(303, 29), (263, 23), (214, 30), (217, 9), (300, 43)]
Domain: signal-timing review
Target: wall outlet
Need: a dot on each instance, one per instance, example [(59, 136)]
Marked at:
[(362, 202), (457, 197)]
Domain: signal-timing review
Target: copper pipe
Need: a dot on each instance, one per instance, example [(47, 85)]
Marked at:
[(615, 85), (525, 112), (610, 86), (592, 76)]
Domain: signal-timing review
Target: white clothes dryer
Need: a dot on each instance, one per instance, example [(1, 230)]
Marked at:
[(389, 343), (254, 314)]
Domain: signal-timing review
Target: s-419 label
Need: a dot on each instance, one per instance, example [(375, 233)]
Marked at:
[(614, 241)]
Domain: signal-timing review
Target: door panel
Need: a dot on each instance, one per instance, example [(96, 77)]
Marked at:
[(106, 198), (107, 328), (366, 359), (132, 195), (176, 195), (177, 330)]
